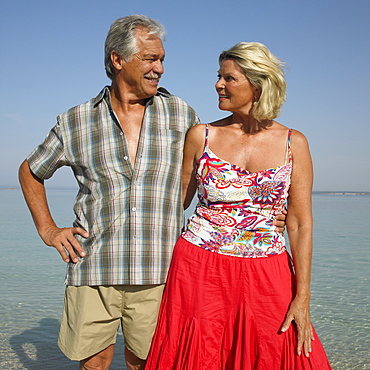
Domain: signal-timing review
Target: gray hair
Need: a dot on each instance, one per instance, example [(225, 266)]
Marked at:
[(264, 71), (121, 38)]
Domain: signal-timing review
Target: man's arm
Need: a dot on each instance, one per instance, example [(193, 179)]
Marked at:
[(62, 239)]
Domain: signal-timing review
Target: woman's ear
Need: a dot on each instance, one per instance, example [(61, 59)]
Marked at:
[(257, 94)]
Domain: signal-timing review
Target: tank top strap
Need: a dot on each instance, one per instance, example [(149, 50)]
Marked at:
[(207, 129), (288, 155)]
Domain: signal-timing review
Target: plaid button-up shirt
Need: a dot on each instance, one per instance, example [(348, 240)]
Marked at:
[(133, 214)]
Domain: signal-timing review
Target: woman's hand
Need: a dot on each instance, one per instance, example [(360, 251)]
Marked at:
[(299, 312)]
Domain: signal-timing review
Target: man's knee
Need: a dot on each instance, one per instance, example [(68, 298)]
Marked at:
[(99, 361), (133, 362)]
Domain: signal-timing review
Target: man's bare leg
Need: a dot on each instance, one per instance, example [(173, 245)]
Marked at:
[(99, 361), (133, 362)]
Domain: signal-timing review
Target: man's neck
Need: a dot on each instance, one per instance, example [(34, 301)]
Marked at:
[(124, 102), (130, 113)]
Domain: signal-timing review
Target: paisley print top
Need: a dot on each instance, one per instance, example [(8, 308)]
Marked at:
[(236, 207)]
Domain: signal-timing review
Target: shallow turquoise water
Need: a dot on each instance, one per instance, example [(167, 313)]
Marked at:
[(32, 274)]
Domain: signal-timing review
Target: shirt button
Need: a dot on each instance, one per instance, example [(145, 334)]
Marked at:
[(125, 158), (121, 133), (134, 209), (134, 237)]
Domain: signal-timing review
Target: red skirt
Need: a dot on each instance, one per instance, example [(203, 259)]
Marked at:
[(220, 312)]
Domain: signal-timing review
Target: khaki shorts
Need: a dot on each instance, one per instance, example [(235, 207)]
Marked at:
[(92, 315)]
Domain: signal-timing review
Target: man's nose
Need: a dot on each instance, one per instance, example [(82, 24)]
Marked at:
[(158, 66)]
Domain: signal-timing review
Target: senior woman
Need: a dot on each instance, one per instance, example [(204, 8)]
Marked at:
[(235, 298)]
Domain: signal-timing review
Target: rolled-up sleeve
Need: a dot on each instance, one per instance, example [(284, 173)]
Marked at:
[(46, 158)]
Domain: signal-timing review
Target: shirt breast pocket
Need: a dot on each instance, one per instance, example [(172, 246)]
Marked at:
[(172, 142), (163, 157), (166, 146)]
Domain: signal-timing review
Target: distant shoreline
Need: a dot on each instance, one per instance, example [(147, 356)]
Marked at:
[(341, 192), (366, 193)]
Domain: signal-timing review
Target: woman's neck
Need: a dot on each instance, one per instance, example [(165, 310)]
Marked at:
[(249, 124)]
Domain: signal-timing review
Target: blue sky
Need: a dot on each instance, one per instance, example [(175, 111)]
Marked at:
[(51, 58)]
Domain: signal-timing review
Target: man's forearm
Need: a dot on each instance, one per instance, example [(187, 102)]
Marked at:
[(34, 193)]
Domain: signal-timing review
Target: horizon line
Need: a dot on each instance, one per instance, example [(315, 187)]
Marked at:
[(338, 192)]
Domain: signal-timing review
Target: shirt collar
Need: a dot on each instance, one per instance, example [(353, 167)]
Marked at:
[(105, 94)]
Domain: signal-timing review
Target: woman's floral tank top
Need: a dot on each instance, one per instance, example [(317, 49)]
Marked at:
[(236, 208)]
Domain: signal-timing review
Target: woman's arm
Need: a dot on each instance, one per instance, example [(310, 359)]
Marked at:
[(299, 228), (193, 149)]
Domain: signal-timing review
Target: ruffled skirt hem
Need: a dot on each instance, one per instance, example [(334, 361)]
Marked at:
[(225, 313)]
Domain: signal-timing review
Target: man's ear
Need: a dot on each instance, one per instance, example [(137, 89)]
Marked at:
[(116, 60)]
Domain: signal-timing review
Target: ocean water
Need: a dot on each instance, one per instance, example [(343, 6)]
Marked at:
[(32, 274)]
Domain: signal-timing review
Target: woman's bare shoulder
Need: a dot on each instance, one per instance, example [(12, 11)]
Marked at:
[(197, 131), (278, 127), (298, 138)]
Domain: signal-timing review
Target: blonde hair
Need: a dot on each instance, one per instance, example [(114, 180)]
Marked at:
[(265, 72)]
